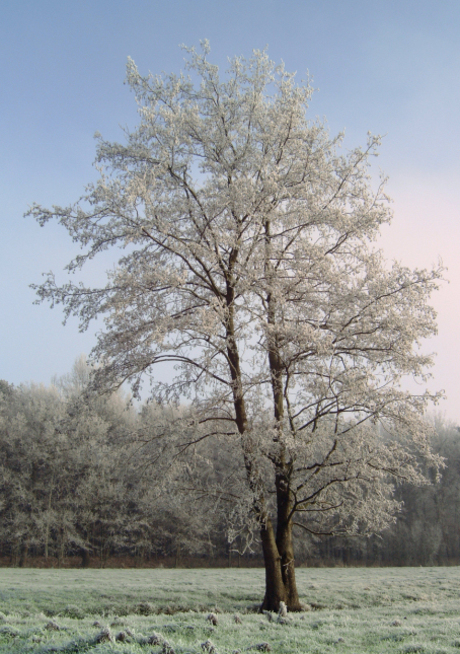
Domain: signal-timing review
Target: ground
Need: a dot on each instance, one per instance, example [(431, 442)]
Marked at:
[(360, 610)]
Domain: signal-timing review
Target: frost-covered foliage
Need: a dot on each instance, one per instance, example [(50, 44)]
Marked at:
[(88, 475), (58, 465), (248, 267)]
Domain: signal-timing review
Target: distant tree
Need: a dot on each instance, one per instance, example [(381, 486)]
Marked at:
[(62, 450), (96, 429), (247, 267), (428, 530), (29, 466)]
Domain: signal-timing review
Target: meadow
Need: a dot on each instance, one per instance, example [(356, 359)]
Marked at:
[(404, 610)]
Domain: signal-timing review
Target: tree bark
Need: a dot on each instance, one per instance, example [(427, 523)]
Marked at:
[(275, 591), (23, 552), (48, 518), (85, 559), (285, 546), (284, 542)]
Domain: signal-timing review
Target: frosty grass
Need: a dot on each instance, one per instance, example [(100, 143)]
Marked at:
[(403, 610)]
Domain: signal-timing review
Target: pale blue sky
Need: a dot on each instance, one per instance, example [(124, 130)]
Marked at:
[(391, 67)]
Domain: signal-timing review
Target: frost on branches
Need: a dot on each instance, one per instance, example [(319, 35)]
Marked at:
[(248, 268)]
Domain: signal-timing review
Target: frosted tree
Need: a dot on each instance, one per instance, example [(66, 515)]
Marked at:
[(61, 473), (34, 464), (248, 268), (95, 466)]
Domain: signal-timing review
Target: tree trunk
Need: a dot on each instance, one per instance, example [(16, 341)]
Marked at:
[(275, 591), (284, 541), (280, 585), (23, 552), (48, 518), (284, 506), (85, 560), (14, 554), (46, 541), (286, 550)]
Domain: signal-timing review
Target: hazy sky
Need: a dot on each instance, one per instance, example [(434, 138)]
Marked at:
[(389, 67)]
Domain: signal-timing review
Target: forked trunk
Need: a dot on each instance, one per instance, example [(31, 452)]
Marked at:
[(280, 585), (280, 582), (284, 544)]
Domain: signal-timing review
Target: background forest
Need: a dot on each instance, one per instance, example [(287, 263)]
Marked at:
[(89, 480)]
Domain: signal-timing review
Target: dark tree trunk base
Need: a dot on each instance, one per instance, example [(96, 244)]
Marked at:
[(85, 559), (275, 591)]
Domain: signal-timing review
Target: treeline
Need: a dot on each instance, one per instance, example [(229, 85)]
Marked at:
[(89, 476), (92, 478)]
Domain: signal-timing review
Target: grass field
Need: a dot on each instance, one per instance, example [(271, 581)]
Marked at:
[(403, 610)]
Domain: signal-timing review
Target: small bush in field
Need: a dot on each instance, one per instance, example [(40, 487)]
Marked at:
[(73, 611), (144, 608)]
